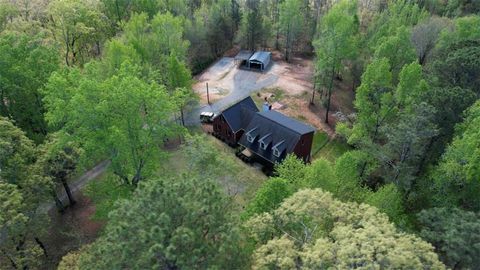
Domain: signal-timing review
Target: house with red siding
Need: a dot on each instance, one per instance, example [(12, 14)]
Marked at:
[(269, 135), (229, 125), (272, 136)]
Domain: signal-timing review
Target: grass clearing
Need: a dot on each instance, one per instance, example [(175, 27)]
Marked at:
[(238, 179), (320, 139), (332, 150)]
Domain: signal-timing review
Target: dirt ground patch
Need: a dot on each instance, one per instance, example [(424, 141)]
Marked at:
[(71, 230), (299, 106), (295, 81), (219, 77), (224, 77), (295, 77)]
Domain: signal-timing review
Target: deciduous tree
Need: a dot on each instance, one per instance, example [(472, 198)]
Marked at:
[(121, 117), (457, 176), (79, 26), (58, 160), (22, 223), (26, 63), (292, 22), (337, 42)]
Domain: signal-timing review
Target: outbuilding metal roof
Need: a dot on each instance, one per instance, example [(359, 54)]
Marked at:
[(261, 57), (244, 55)]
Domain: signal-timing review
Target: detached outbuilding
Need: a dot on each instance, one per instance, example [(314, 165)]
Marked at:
[(242, 58), (260, 60)]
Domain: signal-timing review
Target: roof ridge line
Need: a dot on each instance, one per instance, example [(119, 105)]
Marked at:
[(259, 113)]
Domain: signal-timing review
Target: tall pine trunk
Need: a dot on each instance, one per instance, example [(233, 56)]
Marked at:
[(329, 94)]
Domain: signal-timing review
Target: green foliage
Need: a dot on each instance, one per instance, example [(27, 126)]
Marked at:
[(337, 43), (292, 169), (389, 200), (457, 56), (22, 191), (211, 31), (320, 139), (402, 13), (312, 230), (253, 25), (292, 23), (454, 76), (344, 179), (26, 65), (104, 193), (320, 174), (174, 222), (454, 233), (456, 178), (397, 49), (80, 27), (269, 196), (451, 8), (373, 102), (71, 261), (121, 116), (157, 46), (351, 170)]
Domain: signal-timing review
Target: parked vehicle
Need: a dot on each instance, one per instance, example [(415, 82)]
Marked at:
[(207, 117)]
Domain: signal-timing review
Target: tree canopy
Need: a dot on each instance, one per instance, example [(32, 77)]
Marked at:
[(174, 222), (312, 230)]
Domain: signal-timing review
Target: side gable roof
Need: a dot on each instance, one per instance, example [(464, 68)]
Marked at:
[(238, 115), (287, 122)]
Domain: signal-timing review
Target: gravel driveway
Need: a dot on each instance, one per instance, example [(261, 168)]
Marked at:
[(244, 83)]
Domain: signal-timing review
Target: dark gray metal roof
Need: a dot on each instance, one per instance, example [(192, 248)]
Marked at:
[(262, 57), (284, 133), (287, 122), (243, 55), (236, 115)]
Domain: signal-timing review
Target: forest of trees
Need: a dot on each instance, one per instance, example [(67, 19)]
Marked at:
[(83, 81)]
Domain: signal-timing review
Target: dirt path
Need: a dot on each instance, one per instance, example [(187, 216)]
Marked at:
[(78, 184)]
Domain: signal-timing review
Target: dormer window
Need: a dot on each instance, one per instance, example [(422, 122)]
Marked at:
[(265, 141), (263, 145), (276, 152), (251, 135), (278, 148)]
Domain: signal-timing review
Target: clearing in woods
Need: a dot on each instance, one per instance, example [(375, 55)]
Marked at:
[(288, 87)]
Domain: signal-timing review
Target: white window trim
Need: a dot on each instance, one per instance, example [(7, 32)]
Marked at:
[(263, 145), (250, 138), (276, 152)]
